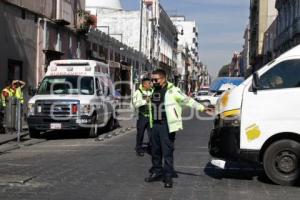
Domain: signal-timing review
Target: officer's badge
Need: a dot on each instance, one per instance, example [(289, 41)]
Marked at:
[(156, 97)]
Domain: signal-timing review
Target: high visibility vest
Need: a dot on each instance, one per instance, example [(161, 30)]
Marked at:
[(19, 95), (6, 94), (141, 104), (174, 100)]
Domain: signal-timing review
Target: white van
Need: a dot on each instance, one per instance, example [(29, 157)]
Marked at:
[(73, 95), (260, 120)]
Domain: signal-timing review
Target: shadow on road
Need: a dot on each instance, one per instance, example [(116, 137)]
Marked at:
[(61, 135), (238, 171), (187, 174)]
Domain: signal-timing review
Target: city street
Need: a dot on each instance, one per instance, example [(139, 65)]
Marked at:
[(78, 168)]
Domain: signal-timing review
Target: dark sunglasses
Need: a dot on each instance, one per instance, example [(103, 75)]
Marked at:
[(155, 80)]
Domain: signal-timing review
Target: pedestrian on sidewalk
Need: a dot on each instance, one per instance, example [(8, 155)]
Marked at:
[(142, 103), (12, 90), (167, 100)]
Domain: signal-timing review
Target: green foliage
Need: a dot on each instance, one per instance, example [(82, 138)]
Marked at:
[(224, 71)]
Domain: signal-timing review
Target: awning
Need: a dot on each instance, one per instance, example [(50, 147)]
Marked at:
[(220, 83)]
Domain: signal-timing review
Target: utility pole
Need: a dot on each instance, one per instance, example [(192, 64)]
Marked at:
[(141, 37)]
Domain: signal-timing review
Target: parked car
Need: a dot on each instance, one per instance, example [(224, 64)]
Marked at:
[(199, 94)]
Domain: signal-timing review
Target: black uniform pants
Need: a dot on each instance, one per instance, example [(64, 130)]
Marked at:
[(142, 125), (162, 142)]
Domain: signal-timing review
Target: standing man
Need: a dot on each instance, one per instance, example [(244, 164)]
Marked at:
[(17, 86), (142, 103), (6, 93), (13, 90), (167, 101)]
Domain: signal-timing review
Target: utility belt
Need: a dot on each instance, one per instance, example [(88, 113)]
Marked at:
[(144, 114), (144, 110), (162, 121)]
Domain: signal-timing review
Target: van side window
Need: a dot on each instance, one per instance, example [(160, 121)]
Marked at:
[(284, 75)]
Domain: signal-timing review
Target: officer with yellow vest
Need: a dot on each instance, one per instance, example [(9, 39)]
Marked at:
[(167, 100), (18, 87), (6, 93), (13, 90), (141, 102)]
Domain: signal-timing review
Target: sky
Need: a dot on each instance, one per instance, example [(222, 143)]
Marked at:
[(221, 25)]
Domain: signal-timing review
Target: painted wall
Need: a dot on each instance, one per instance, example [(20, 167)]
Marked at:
[(17, 43)]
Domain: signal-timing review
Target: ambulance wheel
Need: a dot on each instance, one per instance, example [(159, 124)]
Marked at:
[(281, 162), (33, 133), (93, 130), (110, 124)]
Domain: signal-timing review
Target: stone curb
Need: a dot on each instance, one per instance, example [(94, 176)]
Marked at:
[(13, 138)]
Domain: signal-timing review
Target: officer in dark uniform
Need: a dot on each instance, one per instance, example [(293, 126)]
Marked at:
[(167, 100), (142, 103)]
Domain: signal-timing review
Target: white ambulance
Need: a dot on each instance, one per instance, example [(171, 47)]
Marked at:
[(260, 120), (73, 95)]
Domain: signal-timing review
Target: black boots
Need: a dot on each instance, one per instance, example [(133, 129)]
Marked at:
[(168, 182), (139, 154), (153, 177)]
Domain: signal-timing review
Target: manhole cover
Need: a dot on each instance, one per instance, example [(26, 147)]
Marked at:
[(14, 179)]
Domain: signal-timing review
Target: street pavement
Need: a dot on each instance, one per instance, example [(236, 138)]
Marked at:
[(72, 167)]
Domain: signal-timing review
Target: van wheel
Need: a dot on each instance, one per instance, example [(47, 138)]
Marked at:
[(93, 130), (33, 133), (281, 162), (110, 124)]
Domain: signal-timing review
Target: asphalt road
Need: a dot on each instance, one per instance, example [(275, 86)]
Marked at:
[(71, 167)]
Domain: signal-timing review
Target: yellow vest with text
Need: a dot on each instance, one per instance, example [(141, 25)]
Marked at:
[(175, 99)]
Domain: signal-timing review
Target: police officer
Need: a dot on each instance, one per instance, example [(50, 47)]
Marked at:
[(13, 90), (167, 101), (7, 93), (141, 102)]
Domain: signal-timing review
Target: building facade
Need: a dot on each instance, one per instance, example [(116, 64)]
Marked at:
[(193, 74), (35, 34), (283, 31), (120, 57), (262, 15), (158, 41), (287, 26), (246, 52)]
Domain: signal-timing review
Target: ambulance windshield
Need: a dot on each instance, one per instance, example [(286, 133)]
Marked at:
[(67, 85)]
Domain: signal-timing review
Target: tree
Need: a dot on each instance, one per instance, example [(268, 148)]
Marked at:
[(224, 71)]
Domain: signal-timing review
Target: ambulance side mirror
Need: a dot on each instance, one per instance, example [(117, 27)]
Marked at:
[(32, 91), (255, 82)]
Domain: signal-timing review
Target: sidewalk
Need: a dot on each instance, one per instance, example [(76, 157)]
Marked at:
[(5, 138)]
